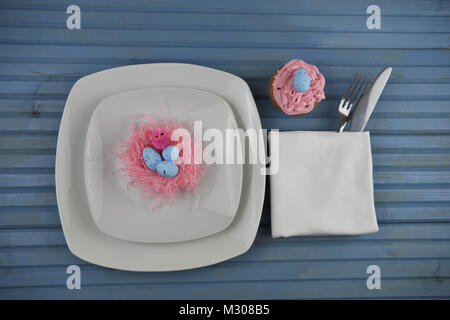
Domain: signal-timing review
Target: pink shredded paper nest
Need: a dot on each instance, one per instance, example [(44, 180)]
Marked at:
[(135, 170)]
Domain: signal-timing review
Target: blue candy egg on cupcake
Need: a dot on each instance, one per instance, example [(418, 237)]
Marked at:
[(302, 80)]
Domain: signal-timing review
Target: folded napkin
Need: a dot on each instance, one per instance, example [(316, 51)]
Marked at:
[(324, 184)]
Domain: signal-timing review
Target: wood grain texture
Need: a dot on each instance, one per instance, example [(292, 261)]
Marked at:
[(40, 60)]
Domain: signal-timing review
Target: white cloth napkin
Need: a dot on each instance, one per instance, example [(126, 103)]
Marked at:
[(324, 185)]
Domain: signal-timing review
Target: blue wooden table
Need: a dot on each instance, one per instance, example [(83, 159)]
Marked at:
[(40, 60)]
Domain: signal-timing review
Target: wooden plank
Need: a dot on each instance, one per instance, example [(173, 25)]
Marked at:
[(318, 250), (246, 271), (419, 141), (29, 216), (243, 290), (425, 231), (28, 142), (218, 21), (37, 256), (133, 55), (262, 251), (410, 213), (27, 180), (411, 177), (27, 106), (400, 7), (411, 160), (411, 195), (29, 123), (27, 161), (217, 38), (44, 198)]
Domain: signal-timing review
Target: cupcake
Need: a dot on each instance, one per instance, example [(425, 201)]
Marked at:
[(297, 87)]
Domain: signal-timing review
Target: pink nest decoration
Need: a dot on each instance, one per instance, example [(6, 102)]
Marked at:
[(138, 174)]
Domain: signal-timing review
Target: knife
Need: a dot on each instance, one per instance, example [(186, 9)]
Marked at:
[(365, 106)]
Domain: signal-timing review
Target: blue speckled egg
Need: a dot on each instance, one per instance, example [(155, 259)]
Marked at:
[(167, 169), (151, 157), (170, 153), (301, 80)]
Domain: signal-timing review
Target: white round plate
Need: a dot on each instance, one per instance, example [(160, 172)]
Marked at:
[(126, 213)]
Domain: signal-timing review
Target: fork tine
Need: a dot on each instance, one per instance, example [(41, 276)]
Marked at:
[(348, 90), (368, 83), (353, 91), (350, 86), (357, 93)]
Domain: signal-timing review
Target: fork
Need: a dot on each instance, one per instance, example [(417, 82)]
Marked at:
[(349, 98)]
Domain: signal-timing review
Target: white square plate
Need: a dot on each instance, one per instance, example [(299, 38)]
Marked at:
[(83, 237), (123, 211)]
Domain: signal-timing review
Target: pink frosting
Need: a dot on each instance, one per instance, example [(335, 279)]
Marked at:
[(290, 100)]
